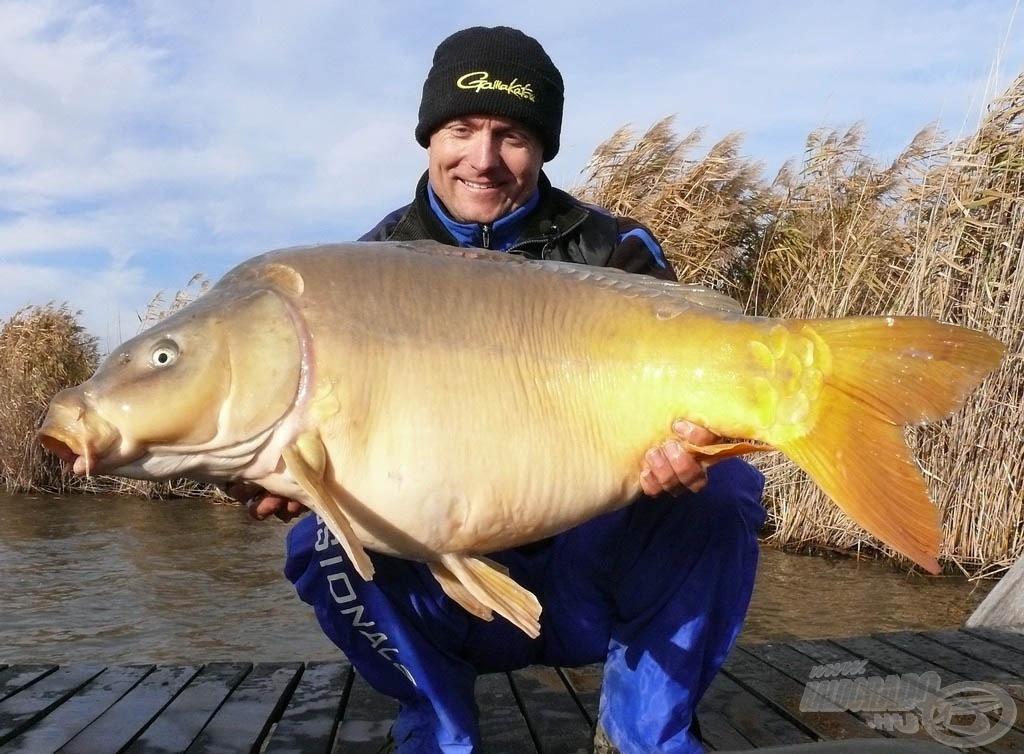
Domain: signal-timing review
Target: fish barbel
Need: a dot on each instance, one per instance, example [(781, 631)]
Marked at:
[(438, 404)]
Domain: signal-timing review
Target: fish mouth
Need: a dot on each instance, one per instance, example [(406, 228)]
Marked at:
[(80, 457), (78, 436)]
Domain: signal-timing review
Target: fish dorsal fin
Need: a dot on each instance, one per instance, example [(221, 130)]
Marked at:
[(263, 273), (490, 587), (306, 460)]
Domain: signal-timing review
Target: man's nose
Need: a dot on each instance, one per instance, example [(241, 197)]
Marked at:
[(485, 153)]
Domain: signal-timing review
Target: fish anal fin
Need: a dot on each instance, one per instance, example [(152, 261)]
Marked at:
[(306, 460), (861, 460), (454, 589), (491, 586)]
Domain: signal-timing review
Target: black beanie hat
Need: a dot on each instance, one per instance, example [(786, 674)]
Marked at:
[(493, 71)]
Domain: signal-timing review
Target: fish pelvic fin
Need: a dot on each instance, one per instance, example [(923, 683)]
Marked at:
[(457, 592), (882, 374), (306, 460), (490, 587)]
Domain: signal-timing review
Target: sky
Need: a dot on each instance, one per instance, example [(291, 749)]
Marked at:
[(143, 142)]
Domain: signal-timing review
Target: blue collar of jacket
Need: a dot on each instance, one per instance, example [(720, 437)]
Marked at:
[(500, 235)]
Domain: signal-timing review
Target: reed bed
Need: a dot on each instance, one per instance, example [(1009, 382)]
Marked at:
[(938, 232), (42, 350)]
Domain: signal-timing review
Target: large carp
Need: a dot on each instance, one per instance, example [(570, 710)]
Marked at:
[(439, 404)]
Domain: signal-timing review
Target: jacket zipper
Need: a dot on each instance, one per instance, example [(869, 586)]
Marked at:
[(485, 236)]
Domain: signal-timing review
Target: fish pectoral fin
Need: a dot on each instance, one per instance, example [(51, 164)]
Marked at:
[(306, 460), (489, 584), (454, 589), (709, 454)]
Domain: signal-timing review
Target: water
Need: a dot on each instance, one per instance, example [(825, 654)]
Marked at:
[(117, 579)]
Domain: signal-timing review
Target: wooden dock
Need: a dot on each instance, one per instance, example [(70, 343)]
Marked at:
[(324, 708)]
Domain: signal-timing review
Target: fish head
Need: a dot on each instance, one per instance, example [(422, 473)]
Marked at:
[(196, 395)]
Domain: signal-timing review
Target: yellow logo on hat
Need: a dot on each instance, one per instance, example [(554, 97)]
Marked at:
[(481, 80)]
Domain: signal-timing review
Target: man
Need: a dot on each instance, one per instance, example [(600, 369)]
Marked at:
[(656, 591)]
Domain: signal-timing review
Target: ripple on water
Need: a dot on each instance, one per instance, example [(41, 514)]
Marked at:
[(102, 579)]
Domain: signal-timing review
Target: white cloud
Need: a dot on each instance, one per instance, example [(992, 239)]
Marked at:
[(145, 141)]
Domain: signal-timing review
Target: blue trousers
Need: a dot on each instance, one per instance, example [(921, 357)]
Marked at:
[(657, 591)]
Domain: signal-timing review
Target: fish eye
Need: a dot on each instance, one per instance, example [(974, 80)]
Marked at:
[(164, 354)]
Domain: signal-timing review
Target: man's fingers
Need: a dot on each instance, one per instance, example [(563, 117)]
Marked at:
[(669, 468), (693, 433), (274, 505)]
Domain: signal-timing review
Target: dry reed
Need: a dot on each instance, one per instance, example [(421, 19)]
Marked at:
[(937, 232), (42, 350), (704, 211)]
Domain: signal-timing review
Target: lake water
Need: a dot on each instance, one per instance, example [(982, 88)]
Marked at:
[(119, 579)]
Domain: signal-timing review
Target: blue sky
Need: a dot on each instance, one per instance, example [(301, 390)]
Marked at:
[(142, 142)]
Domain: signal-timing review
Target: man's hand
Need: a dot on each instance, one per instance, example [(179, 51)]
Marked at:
[(669, 468), (262, 504)]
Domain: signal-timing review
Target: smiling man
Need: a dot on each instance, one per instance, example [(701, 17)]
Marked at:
[(656, 591)]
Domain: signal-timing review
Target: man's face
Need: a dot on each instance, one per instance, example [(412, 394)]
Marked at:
[(482, 166)]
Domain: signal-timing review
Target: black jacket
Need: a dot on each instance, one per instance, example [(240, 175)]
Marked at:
[(561, 228)]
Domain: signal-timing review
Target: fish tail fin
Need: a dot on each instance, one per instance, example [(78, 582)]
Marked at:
[(910, 369), (879, 375), (870, 474)]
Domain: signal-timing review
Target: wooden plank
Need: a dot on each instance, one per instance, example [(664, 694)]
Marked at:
[(14, 679), (946, 659), (899, 662), (286, 709), (825, 652), (784, 694), (889, 659), (798, 666), (1012, 639), (184, 718), (242, 722), (945, 656), (732, 718), (61, 725), (503, 726), (120, 724), (552, 715), (311, 717), (584, 684), (366, 720), (22, 709)]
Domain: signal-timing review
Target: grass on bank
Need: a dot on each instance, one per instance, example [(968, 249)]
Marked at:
[(938, 232)]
